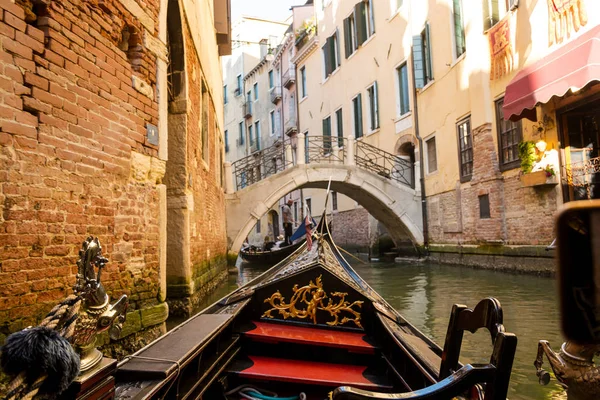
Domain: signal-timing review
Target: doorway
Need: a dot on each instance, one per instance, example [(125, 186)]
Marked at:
[(274, 223), (580, 129)]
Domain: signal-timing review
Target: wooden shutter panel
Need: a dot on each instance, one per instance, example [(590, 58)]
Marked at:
[(418, 65), (331, 50), (376, 103), (359, 129), (347, 38), (337, 47), (360, 19), (326, 54), (429, 53)]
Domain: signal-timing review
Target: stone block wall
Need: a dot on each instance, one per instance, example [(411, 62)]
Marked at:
[(351, 229), (77, 89)]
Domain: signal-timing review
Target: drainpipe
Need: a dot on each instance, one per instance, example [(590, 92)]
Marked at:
[(421, 151)]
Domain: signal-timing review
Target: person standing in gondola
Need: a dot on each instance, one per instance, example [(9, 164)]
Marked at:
[(288, 221)]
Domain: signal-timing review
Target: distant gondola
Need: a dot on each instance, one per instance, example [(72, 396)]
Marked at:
[(268, 258), (311, 328)]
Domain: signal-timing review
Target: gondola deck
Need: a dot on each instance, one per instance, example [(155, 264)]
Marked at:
[(311, 324)]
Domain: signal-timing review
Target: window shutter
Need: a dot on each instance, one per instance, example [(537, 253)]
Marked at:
[(360, 19), (326, 55), (347, 38), (376, 104), (372, 18), (359, 121), (337, 47), (418, 62), (429, 53), (331, 49)]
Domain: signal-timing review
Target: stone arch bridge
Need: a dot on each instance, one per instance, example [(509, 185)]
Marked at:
[(379, 181)]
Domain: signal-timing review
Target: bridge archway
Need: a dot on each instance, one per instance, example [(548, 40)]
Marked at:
[(398, 207)]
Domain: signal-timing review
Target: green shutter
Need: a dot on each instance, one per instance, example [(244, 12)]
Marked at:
[(347, 38), (326, 56), (337, 47), (429, 59), (360, 21), (376, 103), (327, 135), (418, 64), (358, 122), (459, 30)]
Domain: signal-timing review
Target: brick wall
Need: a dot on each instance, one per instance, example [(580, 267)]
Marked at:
[(70, 120), (208, 242), (518, 215)]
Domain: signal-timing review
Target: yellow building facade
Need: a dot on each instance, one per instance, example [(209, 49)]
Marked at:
[(429, 80)]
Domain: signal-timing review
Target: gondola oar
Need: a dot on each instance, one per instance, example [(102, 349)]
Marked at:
[(353, 256)]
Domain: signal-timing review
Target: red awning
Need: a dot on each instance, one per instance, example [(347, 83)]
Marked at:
[(572, 66)]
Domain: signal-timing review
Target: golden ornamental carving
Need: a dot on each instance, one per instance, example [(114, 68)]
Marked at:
[(307, 300)]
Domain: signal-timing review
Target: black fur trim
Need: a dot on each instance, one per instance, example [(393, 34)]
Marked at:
[(41, 350)]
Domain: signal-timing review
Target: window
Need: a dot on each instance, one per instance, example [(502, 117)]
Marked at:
[(459, 29), (422, 58), (225, 100), (327, 135), (226, 141), (373, 107), (431, 155), (331, 55), (357, 106), (350, 41), (359, 26), (249, 101), (484, 206), (303, 81), (339, 122), (309, 205), (403, 96), (239, 84), (491, 14), (509, 137), (258, 226), (398, 3), (272, 117), (257, 132), (271, 81), (465, 149), (334, 201), (255, 91), (251, 135), (242, 133)]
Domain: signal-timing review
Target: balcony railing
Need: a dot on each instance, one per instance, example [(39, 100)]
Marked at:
[(261, 164), (291, 125), (248, 110), (289, 78), (275, 94)]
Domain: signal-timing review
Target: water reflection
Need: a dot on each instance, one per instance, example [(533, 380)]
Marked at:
[(424, 294)]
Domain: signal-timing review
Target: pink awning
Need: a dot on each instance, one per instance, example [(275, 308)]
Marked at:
[(572, 66)]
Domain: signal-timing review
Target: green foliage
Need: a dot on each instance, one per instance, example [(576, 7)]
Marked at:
[(527, 155)]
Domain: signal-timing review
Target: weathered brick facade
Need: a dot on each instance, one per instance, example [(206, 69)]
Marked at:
[(519, 215), (78, 87)]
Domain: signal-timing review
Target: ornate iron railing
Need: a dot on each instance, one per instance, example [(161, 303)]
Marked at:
[(323, 150), (384, 164), (261, 164), (582, 176)]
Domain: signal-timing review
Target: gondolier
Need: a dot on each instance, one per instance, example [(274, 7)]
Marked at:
[(288, 221)]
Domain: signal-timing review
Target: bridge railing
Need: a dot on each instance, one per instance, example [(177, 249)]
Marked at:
[(320, 150), (262, 164), (384, 164), (324, 150)]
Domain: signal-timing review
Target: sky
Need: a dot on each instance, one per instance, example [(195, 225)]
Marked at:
[(277, 10)]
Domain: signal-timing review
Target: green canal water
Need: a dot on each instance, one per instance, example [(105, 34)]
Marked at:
[(425, 293)]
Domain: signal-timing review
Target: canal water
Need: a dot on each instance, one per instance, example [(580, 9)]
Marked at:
[(425, 293)]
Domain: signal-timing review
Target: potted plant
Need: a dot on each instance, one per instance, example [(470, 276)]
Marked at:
[(529, 158)]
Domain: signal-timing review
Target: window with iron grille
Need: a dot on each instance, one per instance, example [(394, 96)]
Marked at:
[(465, 149), (509, 137)]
